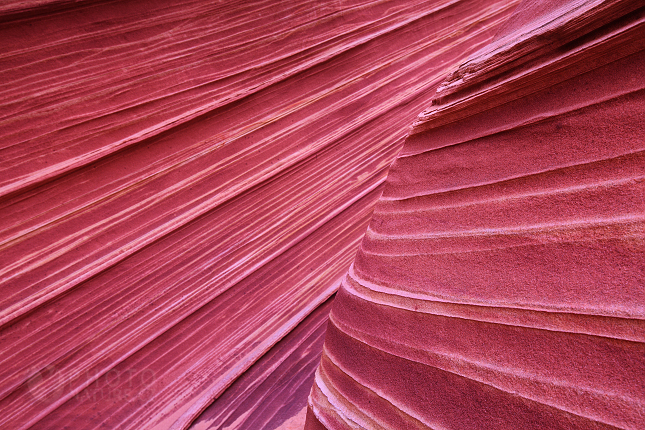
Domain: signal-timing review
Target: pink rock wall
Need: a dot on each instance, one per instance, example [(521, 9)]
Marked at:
[(183, 182), (500, 284)]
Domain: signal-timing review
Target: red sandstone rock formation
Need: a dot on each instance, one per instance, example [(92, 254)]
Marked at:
[(183, 182), (500, 283)]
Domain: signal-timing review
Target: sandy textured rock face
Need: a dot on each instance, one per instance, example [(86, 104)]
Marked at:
[(183, 182), (500, 282)]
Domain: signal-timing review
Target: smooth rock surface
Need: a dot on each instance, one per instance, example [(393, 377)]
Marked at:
[(500, 284)]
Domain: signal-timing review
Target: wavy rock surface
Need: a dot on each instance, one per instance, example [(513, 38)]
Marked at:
[(500, 284), (183, 182)]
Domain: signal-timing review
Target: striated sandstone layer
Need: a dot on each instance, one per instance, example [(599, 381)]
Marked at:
[(183, 182), (273, 393), (500, 284)]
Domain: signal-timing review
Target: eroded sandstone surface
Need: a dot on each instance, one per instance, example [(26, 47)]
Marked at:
[(500, 282), (182, 186)]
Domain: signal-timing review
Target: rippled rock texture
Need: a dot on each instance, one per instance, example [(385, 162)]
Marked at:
[(500, 284), (182, 186)]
